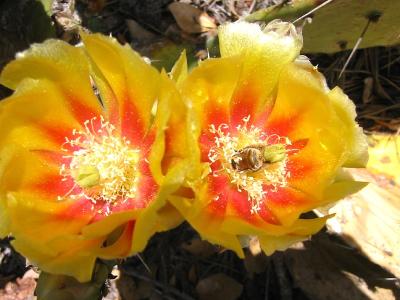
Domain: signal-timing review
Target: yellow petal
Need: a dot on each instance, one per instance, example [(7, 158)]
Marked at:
[(179, 71), (6, 160), (300, 231), (357, 149), (278, 38), (66, 264), (119, 248), (66, 66), (50, 242), (265, 52), (207, 226), (52, 100), (106, 225), (241, 227), (304, 111), (149, 221), (169, 217), (36, 116), (340, 189), (39, 220), (133, 83), (208, 103), (34, 177), (169, 120), (167, 161), (270, 244)]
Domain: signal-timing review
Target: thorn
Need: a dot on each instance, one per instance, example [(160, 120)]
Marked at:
[(144, 263), (312, 11), (359, 40)]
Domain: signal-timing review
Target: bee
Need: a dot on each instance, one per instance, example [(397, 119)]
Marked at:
[(252, 158), (249, 158)]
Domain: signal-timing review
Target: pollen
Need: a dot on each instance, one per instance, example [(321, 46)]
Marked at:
[(244, 154), (103, 165)]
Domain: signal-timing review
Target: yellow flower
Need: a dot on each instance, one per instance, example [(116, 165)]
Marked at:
[(84, 171), (269, 140)]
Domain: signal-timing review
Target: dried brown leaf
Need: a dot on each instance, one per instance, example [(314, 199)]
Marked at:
[(200, 248), (191, 19), (219, 287), (96, 6), (320, 271), (255, 264), (192, 275), (370, 220), (138, 32)]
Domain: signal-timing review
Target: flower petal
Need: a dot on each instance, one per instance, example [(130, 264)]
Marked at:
[(31, 216), (40, 227), (207, 104), (207, 226), (36, 116), (272, 97), (340, 189), (65, 264), (287, 204), (270, 244), (153, 218), (303, 111), (108, 224), (302, 229), (133, 82), (51, 119), (170, 141), (121, 247), (211, 101), (265, 53), (66, 66), (358, 147), (179, 71)]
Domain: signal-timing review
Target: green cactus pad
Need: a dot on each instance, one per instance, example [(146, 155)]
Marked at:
[(338, 25)]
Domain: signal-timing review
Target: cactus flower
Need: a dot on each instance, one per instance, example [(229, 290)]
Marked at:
[(83, 169), (270, 140)]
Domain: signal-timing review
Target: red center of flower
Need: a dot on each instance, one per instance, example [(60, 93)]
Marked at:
[(101, 163), (250, 158)]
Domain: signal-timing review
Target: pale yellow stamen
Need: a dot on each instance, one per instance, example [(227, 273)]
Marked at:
[(105, 166), (273, 172)]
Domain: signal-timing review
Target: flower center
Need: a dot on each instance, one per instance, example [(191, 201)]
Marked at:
[(251, 159), (104, 165)]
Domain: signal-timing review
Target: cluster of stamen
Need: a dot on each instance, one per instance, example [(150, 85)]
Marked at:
[(103, 165), (228, 150)]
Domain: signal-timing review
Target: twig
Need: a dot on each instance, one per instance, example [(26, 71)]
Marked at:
[(267, 280), (208, 261), (375, 112), (391, 63), (284, 283), (164, 287), (251, 8)]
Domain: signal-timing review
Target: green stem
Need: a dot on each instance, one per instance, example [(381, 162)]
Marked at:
[(62, 287)]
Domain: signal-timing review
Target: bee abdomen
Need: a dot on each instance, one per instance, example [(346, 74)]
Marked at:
[(247, 159)]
